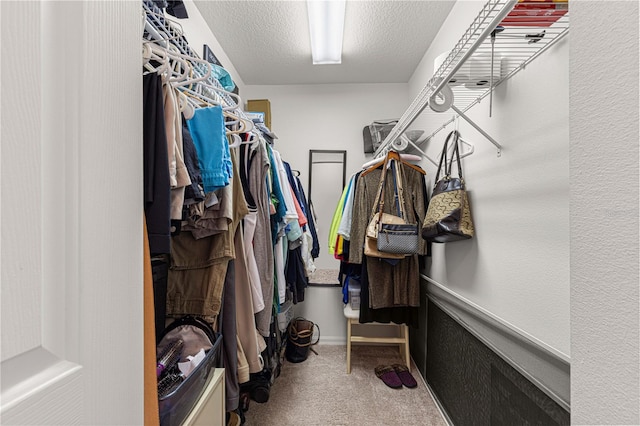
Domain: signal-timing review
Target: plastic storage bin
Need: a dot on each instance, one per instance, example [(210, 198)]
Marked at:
[(176, 406), (285, 315), (354, 294)]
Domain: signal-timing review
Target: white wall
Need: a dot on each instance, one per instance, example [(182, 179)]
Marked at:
[(517, 266), (330, 117), (605, 291)]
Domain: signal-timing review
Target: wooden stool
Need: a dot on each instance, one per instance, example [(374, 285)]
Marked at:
[(402, 341)]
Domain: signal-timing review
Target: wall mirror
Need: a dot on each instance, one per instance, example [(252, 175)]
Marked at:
[(327, 178)]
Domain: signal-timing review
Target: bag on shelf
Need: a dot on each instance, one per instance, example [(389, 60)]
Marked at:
[(448, 216)]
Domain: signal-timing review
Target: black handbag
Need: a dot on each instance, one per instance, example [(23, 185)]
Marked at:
[(300, 334), (448, 216)]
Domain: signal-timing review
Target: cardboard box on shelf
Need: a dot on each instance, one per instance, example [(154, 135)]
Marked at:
[(261, 105)]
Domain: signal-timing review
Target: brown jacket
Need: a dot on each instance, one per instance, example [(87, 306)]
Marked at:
[(389, 285)]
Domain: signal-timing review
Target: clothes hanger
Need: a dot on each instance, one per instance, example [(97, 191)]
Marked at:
[(392, 155), (239, 122), (234, 140), (186, 83), (158, 27), (213, 86), (184, 105), (464, 142), (197, 100), (170, 62), (403, 157), (178, 63), (148, 55)]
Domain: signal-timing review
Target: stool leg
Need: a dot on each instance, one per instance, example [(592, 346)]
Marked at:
[(401, 346), (407, 353), (348, 345)]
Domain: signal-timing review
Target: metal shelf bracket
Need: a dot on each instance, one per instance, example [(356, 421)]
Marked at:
[(478, 128)]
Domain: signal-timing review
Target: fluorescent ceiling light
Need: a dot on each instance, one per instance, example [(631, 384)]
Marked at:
[(326, 27)]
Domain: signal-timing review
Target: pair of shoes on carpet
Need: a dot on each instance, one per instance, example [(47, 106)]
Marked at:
[(395, 376), (258, 386)]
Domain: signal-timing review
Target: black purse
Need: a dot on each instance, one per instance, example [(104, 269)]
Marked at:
[(448, 216), (299, 339)]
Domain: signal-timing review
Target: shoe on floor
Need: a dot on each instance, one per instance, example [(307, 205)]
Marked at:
[(406, 378), (388, 375)]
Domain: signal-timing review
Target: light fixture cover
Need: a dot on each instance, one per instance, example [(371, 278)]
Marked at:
[(326, 28)]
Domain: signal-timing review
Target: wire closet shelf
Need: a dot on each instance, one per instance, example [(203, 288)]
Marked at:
[(160, 29), (512, 46)]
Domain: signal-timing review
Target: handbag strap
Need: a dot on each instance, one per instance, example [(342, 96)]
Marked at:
[(379, 201), (398, 179), (456, 151), (396, 199), (443, 155)]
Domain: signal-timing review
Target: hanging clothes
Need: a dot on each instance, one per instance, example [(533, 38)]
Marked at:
[(335, 221), (193, 193), (278, 217), (157, 187), (246, 329), (312, 238), (249, 230), (218, 212), (394, 285), (344, 228), (179, 176), (203, 260), (209, 137), (256, 165)]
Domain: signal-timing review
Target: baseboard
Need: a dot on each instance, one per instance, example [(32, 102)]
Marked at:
[(333, 340)]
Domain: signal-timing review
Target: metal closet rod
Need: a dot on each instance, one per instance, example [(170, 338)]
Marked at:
[(434, 85)]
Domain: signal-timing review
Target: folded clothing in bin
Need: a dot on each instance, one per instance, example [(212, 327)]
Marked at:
[(177, 394)]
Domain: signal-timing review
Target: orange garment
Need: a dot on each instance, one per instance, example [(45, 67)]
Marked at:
[(151, 409), (302, 219)]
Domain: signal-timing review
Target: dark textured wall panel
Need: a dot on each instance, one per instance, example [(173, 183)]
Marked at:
[(418, 336), (476, 386)]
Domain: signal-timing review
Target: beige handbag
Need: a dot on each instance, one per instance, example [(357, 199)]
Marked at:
[(448, 217)]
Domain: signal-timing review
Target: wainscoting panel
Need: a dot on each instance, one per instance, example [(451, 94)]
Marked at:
[(475, 386), (418, 336)]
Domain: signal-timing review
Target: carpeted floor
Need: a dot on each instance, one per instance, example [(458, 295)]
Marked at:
[(319, 391)]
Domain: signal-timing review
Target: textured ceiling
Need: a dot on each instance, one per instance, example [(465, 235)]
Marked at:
[(268, 41)]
